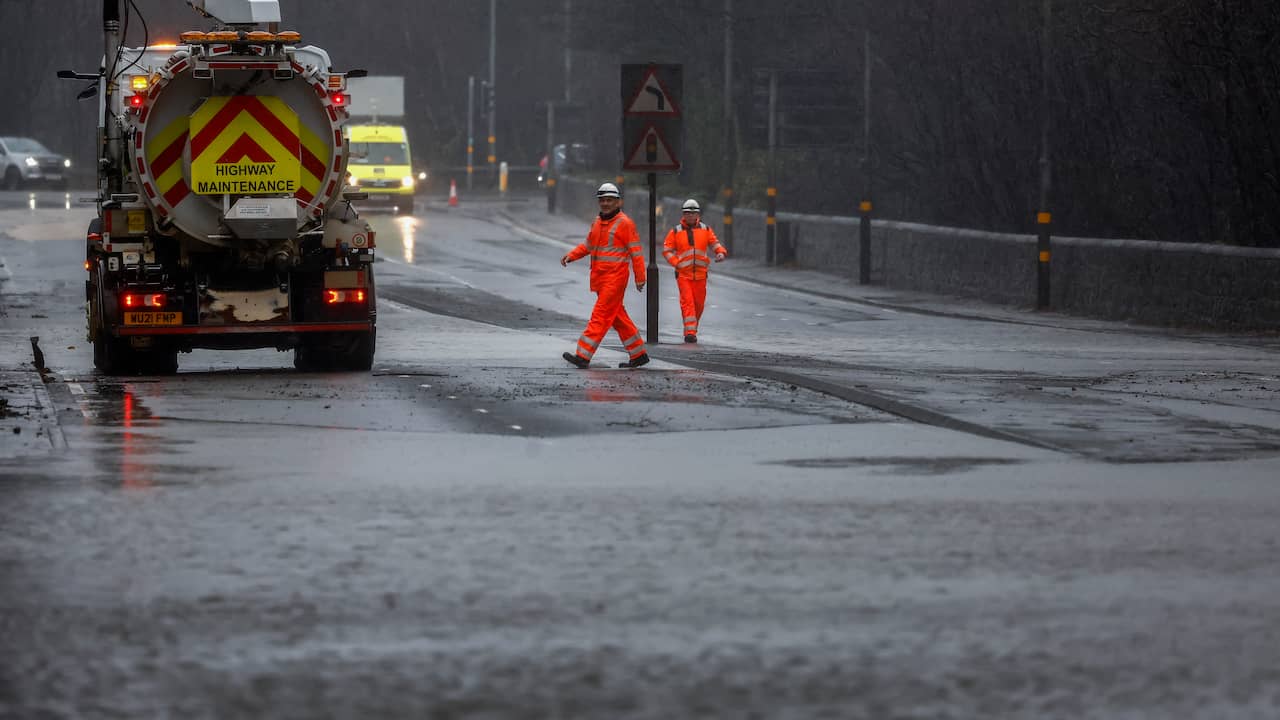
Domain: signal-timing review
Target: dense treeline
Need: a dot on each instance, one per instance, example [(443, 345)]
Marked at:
[(1165, 117)]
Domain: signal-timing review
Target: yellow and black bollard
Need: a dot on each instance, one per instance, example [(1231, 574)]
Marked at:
[(864, 243), (771, 228), (1043, 221), (728, 220)]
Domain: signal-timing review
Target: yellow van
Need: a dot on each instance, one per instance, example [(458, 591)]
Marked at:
[(380, 164)]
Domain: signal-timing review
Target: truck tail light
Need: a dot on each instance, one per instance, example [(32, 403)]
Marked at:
[(135, 301), (135, 101), (335, 297)]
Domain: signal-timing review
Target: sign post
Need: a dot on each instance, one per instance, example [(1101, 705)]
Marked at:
[(652, 142)]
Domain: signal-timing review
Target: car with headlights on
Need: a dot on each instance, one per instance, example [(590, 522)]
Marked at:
[(25, 162)]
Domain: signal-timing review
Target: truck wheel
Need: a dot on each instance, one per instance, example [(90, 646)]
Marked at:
[(158, 362), (111, 355), (311, 354), (356, 352), (405, 207), (12, 179)]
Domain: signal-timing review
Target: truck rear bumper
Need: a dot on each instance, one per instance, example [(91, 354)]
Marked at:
[(310, 327)]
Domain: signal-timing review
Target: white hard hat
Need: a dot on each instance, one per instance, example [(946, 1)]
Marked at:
[(691, 205), (608, 190)]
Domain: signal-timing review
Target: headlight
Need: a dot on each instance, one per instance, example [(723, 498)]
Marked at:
[(66, 163), (422, 174), (31, 162), (406, 181), (353, 181)]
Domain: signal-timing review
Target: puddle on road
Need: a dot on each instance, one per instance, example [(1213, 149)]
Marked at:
[(116, 405), (899, 465)]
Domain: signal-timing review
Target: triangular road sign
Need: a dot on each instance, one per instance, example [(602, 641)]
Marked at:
[(651, 154), (652, 98)]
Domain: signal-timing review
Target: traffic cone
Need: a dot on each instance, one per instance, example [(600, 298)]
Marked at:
[(453, 193)]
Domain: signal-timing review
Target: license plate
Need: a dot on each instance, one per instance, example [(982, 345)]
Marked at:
[(52, 177), (379, 197), (152, 317)]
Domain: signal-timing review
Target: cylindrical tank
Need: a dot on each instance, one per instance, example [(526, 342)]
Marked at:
[(221, 124)]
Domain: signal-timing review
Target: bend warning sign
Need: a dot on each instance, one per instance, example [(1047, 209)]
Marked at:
[(652, 117), (652, 97), (244, 145)]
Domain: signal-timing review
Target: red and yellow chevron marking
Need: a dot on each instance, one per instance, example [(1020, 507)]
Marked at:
[(315, 153), (164, 158), (164, 148), (246, 145)]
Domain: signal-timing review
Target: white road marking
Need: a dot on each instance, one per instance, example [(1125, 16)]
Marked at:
[(384, 303), (430, 271)]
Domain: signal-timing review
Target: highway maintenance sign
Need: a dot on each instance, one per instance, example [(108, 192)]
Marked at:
[(245, 145), (652, 117)]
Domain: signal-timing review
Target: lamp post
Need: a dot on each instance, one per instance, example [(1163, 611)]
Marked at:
[(1044, 218), (568, 53), (864, 207), (493, 93), (471, 136), (730, 151)]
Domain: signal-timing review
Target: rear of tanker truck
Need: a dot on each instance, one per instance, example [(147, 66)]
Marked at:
[(224, 220)]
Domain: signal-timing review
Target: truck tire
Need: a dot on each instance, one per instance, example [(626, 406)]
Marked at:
[(356, 352), (405, 206), (111, 355), (311, 354), (158, 362), (12, 179)]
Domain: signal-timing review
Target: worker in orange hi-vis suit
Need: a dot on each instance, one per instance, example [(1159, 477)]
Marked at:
[(612, 243), (688, 247)]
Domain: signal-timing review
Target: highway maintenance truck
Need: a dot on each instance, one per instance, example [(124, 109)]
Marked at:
[(223, 217), (381, 163)]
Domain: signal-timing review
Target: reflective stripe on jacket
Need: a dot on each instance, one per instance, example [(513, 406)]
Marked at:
[(611, 243), (691, 261)]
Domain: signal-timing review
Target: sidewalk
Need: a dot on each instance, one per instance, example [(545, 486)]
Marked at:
[(531, 217), (28, 422)]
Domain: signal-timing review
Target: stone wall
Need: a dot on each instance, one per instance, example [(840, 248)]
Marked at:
[(1154, 283)]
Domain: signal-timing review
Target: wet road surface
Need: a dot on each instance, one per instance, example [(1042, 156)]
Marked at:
[(475, 529)]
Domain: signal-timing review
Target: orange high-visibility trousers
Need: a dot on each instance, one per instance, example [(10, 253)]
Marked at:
[(608, 312), (693, 298)]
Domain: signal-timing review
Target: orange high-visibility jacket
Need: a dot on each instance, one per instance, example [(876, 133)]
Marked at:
[(691, 261), (611, 243)]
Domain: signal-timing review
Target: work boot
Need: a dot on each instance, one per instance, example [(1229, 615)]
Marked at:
[(641, 359), (575, 360), (691, 338)]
